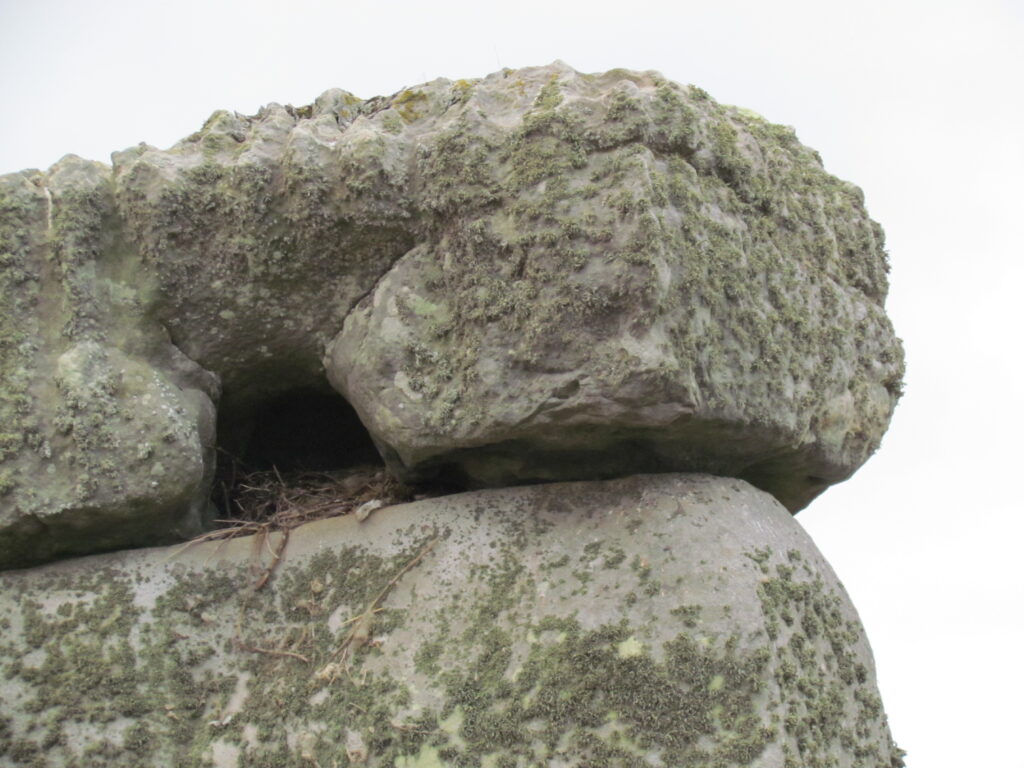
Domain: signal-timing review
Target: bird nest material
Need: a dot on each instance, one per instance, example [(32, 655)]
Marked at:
[(265, 501)]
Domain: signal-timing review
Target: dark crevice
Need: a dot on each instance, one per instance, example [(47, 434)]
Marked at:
[(292, 438), (310, 431)]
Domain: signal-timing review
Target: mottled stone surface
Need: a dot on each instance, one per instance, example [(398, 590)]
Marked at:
[(539, 275), (107, 430), (649, 621), (622, 275)]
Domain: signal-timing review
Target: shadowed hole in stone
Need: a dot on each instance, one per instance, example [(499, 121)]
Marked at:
[(309, 431), (298, 456)]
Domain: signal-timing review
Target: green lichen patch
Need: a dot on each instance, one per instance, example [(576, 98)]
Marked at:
[(22, 242), (538, 275), (547, 144), (697, 247), (828, 702), (578, 698), (524, 626), (211, 661), (410, 104)]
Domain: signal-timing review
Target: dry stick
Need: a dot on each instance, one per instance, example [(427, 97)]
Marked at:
[(262, 534), (229, 533), (256, 549), (357, 617), (372, 607), (408, 728), (290, 515), (273, 563), (271, 651)]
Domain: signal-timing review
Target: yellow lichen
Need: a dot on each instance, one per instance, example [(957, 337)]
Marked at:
[(410, 104)]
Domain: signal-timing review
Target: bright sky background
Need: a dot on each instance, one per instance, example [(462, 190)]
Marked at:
[(919, 103)]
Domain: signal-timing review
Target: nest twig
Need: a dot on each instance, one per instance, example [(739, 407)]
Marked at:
[(266, 501), (285, 501)]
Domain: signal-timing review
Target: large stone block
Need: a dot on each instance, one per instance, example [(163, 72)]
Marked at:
[(621, 275), (540, 275), (649, 621)]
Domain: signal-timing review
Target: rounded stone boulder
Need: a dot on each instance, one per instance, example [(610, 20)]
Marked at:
[(651, 621)]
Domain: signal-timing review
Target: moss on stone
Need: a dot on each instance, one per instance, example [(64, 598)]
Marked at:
[(22, 234), (479, 659), (576, 697), (410, 104), (659, 271), (826, 695)]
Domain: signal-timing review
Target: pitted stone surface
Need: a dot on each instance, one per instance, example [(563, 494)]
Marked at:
[(649, 621), (539, 275)]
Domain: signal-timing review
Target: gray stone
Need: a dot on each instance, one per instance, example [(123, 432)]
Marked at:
[(649, 621), (626, 276), (108, 429), (540, 275)]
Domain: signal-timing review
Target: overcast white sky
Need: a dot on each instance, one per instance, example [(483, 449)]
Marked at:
[(920, 103)]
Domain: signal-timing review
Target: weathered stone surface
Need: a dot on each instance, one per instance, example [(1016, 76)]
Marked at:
[(108, 429), (650, 621), (540, 275), (631, 277)]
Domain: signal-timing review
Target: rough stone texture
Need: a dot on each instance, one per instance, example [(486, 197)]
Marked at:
[(540, 275), (649, 621), (623, 276), (106, 428)]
